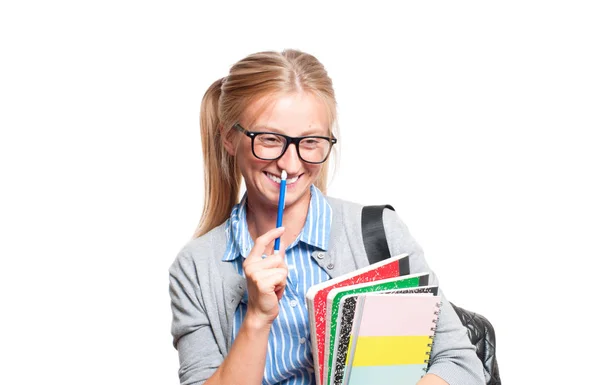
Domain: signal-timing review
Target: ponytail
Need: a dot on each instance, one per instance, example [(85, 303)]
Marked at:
[(222, 179)]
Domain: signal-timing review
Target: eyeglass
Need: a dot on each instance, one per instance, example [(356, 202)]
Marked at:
[(272, 146)]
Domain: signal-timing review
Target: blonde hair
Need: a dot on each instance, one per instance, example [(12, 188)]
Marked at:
[(260, 75)]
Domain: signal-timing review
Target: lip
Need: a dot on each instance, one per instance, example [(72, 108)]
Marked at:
[(287, 185)]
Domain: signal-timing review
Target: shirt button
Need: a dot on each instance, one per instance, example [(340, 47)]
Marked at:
[(330, 266), (320, 255), (302, 340), (293, 303)]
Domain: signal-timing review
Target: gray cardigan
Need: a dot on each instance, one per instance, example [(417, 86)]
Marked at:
[(205, 293)]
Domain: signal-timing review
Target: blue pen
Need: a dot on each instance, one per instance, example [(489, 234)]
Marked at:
[(281, 205)]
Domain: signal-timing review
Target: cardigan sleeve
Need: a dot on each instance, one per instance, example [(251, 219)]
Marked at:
[(453, 356), (199, 355)]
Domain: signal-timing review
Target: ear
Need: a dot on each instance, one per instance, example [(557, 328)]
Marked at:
[(227, 137)]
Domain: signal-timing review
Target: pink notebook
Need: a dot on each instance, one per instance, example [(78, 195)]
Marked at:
[(392, 338)]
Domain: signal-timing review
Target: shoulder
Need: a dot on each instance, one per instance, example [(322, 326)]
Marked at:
[(347, 212), (346, 226), (347, 220), (344, 209), (202, 251)]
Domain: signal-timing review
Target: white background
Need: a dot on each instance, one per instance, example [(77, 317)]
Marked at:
[(478, 121)]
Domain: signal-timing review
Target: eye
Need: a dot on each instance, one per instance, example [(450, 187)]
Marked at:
[(269, 139), (312, 142)]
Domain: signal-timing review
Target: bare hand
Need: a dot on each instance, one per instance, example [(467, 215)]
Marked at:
[(266, 277)]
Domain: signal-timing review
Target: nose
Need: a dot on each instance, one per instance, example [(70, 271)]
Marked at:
[(290, 161)]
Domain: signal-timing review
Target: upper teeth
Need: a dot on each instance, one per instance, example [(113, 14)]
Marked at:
[(278, 180)]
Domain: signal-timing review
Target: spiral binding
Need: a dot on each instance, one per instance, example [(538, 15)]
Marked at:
[(432, 336)]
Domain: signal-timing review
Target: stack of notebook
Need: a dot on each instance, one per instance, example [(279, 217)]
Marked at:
[(373, 326)]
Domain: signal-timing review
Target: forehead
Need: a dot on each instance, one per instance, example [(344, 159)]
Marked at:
[(294, 114)]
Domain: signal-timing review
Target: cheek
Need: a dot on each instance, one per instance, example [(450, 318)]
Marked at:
[(247, 162), (314, 170), (243, 155)]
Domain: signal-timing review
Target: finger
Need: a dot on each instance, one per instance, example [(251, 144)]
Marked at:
[(265, 275), (279, 292), (270, 262), (266, 281), (261, 243), (281, 252), (280, 289), (278, 256)]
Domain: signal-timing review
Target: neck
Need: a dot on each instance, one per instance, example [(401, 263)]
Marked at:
[(261, 218)]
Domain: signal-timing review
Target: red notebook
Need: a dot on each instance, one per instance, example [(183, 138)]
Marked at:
[(316, 300)]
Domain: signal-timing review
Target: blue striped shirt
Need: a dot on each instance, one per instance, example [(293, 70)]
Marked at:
[(289, 359)]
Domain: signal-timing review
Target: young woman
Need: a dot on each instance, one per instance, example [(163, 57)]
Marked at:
[(239, 312)]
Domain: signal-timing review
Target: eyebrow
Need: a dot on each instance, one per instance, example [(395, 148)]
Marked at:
[(310, 132)]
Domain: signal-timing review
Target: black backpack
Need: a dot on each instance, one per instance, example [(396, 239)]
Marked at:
[(479, 329)]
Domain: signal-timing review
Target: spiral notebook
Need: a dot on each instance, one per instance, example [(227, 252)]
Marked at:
[(391, 339), (316, 300), (333, 306), (341, 340)]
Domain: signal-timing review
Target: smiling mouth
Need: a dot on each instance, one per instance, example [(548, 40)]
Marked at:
[(277, 179)]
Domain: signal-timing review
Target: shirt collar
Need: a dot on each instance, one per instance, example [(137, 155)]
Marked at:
[(315, 231), (239, 242), (318, 221)]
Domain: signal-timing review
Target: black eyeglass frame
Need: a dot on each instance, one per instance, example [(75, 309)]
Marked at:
[(288, 140)]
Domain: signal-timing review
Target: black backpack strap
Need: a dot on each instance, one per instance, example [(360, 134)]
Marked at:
[(373, 233)]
